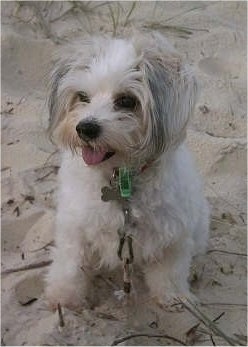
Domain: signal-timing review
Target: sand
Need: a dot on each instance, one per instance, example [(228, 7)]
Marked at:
[(212, 36)]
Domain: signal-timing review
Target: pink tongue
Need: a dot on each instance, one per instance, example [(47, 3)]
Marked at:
[(92, 157)]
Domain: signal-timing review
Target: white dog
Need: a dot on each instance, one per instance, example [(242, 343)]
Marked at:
[(120, 107)]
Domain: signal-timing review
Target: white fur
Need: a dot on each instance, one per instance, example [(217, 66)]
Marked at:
[(169, 212)]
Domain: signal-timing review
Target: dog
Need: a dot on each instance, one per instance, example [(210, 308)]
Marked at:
[(119, 108)]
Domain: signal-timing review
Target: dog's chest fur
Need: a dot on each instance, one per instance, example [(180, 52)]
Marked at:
[(99, 221)]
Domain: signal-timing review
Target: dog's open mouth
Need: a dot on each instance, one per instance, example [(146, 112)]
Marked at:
[(93, 157)]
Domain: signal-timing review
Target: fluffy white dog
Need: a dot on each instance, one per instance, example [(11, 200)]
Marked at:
[(119, 110)]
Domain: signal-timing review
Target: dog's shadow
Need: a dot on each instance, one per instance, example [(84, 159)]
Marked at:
[(108, 286)]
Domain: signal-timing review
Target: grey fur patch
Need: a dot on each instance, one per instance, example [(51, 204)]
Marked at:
[(173, 95), (57, 75)]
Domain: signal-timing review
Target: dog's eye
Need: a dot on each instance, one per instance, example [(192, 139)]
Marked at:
[(126, 101), (83, 97)]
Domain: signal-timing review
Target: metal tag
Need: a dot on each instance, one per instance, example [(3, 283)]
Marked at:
[(110, 194)]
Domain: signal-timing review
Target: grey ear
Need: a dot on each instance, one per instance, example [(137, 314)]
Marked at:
[(53, 103), (173, 91)]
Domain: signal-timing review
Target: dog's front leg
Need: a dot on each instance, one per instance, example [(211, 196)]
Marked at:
[(66, 281), (167, 276)]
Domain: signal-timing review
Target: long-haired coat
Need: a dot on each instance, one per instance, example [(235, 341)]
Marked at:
[(118, 103)]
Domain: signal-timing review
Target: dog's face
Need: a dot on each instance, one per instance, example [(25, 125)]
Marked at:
[(127, 98)]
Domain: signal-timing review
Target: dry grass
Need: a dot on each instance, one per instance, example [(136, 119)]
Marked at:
[(211, 325), (92, 17)]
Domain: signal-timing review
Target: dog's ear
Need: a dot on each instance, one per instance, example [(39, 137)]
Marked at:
[(77, 53), (173, 93), (54, 104)]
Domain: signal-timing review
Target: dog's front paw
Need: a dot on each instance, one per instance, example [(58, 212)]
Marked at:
[(66, 295)]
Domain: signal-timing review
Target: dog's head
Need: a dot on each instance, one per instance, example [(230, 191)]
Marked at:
[(128, 98)]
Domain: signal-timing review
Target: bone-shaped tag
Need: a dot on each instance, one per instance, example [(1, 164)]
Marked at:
[(109, 194)]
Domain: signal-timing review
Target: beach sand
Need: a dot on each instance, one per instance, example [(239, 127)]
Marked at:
[(211, 36)]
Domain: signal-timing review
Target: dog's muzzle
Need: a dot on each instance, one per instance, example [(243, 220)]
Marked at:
[(88, 129)]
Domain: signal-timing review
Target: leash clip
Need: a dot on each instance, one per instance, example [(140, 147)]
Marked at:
[(129, 240)]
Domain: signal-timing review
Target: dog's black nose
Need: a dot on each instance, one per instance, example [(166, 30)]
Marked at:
[(88, 129)]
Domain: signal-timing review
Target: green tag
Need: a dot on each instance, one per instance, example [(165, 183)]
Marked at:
[(125, 183)]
